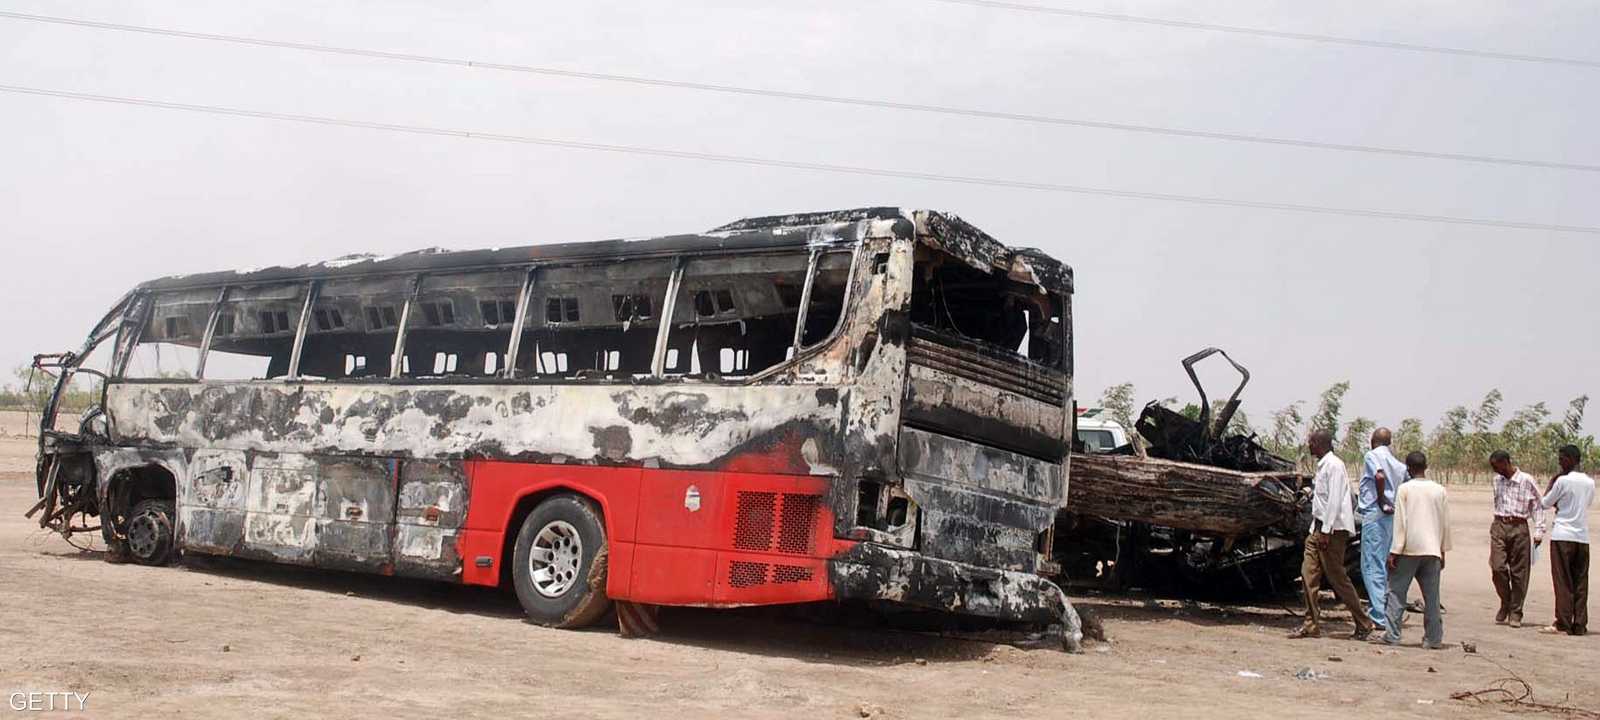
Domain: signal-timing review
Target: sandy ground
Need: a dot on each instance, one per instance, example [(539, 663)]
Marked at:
[(236, 639)]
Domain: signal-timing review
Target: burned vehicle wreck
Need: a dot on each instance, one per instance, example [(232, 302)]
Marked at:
[(1187, 508), (867, 405)]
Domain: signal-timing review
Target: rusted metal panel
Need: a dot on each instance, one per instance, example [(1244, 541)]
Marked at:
[(979, 503), (431, 512), (355, 513), (212, 504), (957, 406), (1185, 496), (281, 510), (876, 572)]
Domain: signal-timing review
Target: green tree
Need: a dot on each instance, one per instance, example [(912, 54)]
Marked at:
[(1448, 445), (1329, 407), (1526, 434), (1239, 424), (1572, 422), (1357, 438), (1287, 423), (1482, 420), (1408, 437), (1118, 402)]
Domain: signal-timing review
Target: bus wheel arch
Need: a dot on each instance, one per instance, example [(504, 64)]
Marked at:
[(558, 548), (140, 515)]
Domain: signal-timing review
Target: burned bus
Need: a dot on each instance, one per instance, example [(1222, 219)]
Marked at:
[(858, 405)]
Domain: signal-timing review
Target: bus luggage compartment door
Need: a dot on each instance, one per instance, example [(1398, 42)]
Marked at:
[(355, 513), (211, 506), (280, 514), (432, 509)]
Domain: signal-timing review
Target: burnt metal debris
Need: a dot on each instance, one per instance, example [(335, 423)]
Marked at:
[(1192, 510)]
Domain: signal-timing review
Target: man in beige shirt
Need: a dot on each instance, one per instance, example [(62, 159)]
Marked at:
[(1421, 539)]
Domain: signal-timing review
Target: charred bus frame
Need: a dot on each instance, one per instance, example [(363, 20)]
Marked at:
[(887, 419)]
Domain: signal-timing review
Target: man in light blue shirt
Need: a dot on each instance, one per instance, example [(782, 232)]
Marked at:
[(1381, 473)]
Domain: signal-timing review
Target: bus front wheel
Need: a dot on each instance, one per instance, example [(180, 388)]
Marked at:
[(559, 564), (150, 532)]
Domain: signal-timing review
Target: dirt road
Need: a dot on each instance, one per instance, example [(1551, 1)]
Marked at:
[(245, 640)]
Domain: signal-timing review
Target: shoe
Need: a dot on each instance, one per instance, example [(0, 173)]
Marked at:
[(1552, 630), (1434, 646), (1515, 621), (1361, 633), (1500, 617), (1305, 632)]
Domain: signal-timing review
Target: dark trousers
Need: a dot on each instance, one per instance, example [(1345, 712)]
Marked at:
[(1509, 561), (1328, 562), (1569, 568), (1424, 569)]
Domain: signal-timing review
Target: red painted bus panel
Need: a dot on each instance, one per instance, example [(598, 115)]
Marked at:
[(678, 537), (498, 486), (681, 508)]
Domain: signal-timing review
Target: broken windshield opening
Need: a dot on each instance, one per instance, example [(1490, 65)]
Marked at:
[(953, 298), (168, 345)]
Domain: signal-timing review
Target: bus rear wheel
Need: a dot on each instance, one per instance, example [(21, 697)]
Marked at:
[(150, 532), (559, 563)]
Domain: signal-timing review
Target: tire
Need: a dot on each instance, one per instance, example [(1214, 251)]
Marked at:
[(559, 563), (150, 532)]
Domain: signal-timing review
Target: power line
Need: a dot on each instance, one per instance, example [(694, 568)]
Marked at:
[(813, 97), (1280, 34), (800, 165)]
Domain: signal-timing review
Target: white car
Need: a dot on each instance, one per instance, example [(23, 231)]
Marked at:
[(1099, 433)]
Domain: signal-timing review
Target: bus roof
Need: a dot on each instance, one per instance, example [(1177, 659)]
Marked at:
[(838, 227)]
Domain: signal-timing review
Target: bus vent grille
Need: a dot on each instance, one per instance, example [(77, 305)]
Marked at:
[(784, 522), (752, 530), (743, 574), (790, 574), (797, 525)]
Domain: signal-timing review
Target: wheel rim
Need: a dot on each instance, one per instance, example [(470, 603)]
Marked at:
[(143, 535), (554, 559)]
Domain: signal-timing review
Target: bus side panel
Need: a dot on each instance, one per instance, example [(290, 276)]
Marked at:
[(211, 504), (431, 509), (677, 537), (680, 521), (497, 487), (281, 510), (731, 538)]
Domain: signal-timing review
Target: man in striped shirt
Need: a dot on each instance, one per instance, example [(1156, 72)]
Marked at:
[(1516, 500)]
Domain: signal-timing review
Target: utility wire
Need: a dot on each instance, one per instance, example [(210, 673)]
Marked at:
[(1280, 34), (813, 97), (801, 165)]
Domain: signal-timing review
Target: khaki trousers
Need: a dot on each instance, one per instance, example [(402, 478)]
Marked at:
[(1328, 562), (1509, 562)]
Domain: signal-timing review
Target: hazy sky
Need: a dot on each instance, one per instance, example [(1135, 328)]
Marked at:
[(1418, 316)]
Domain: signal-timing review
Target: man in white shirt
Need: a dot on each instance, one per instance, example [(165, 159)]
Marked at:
[(1421, 539), (1333, 519), (1571, 495)]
